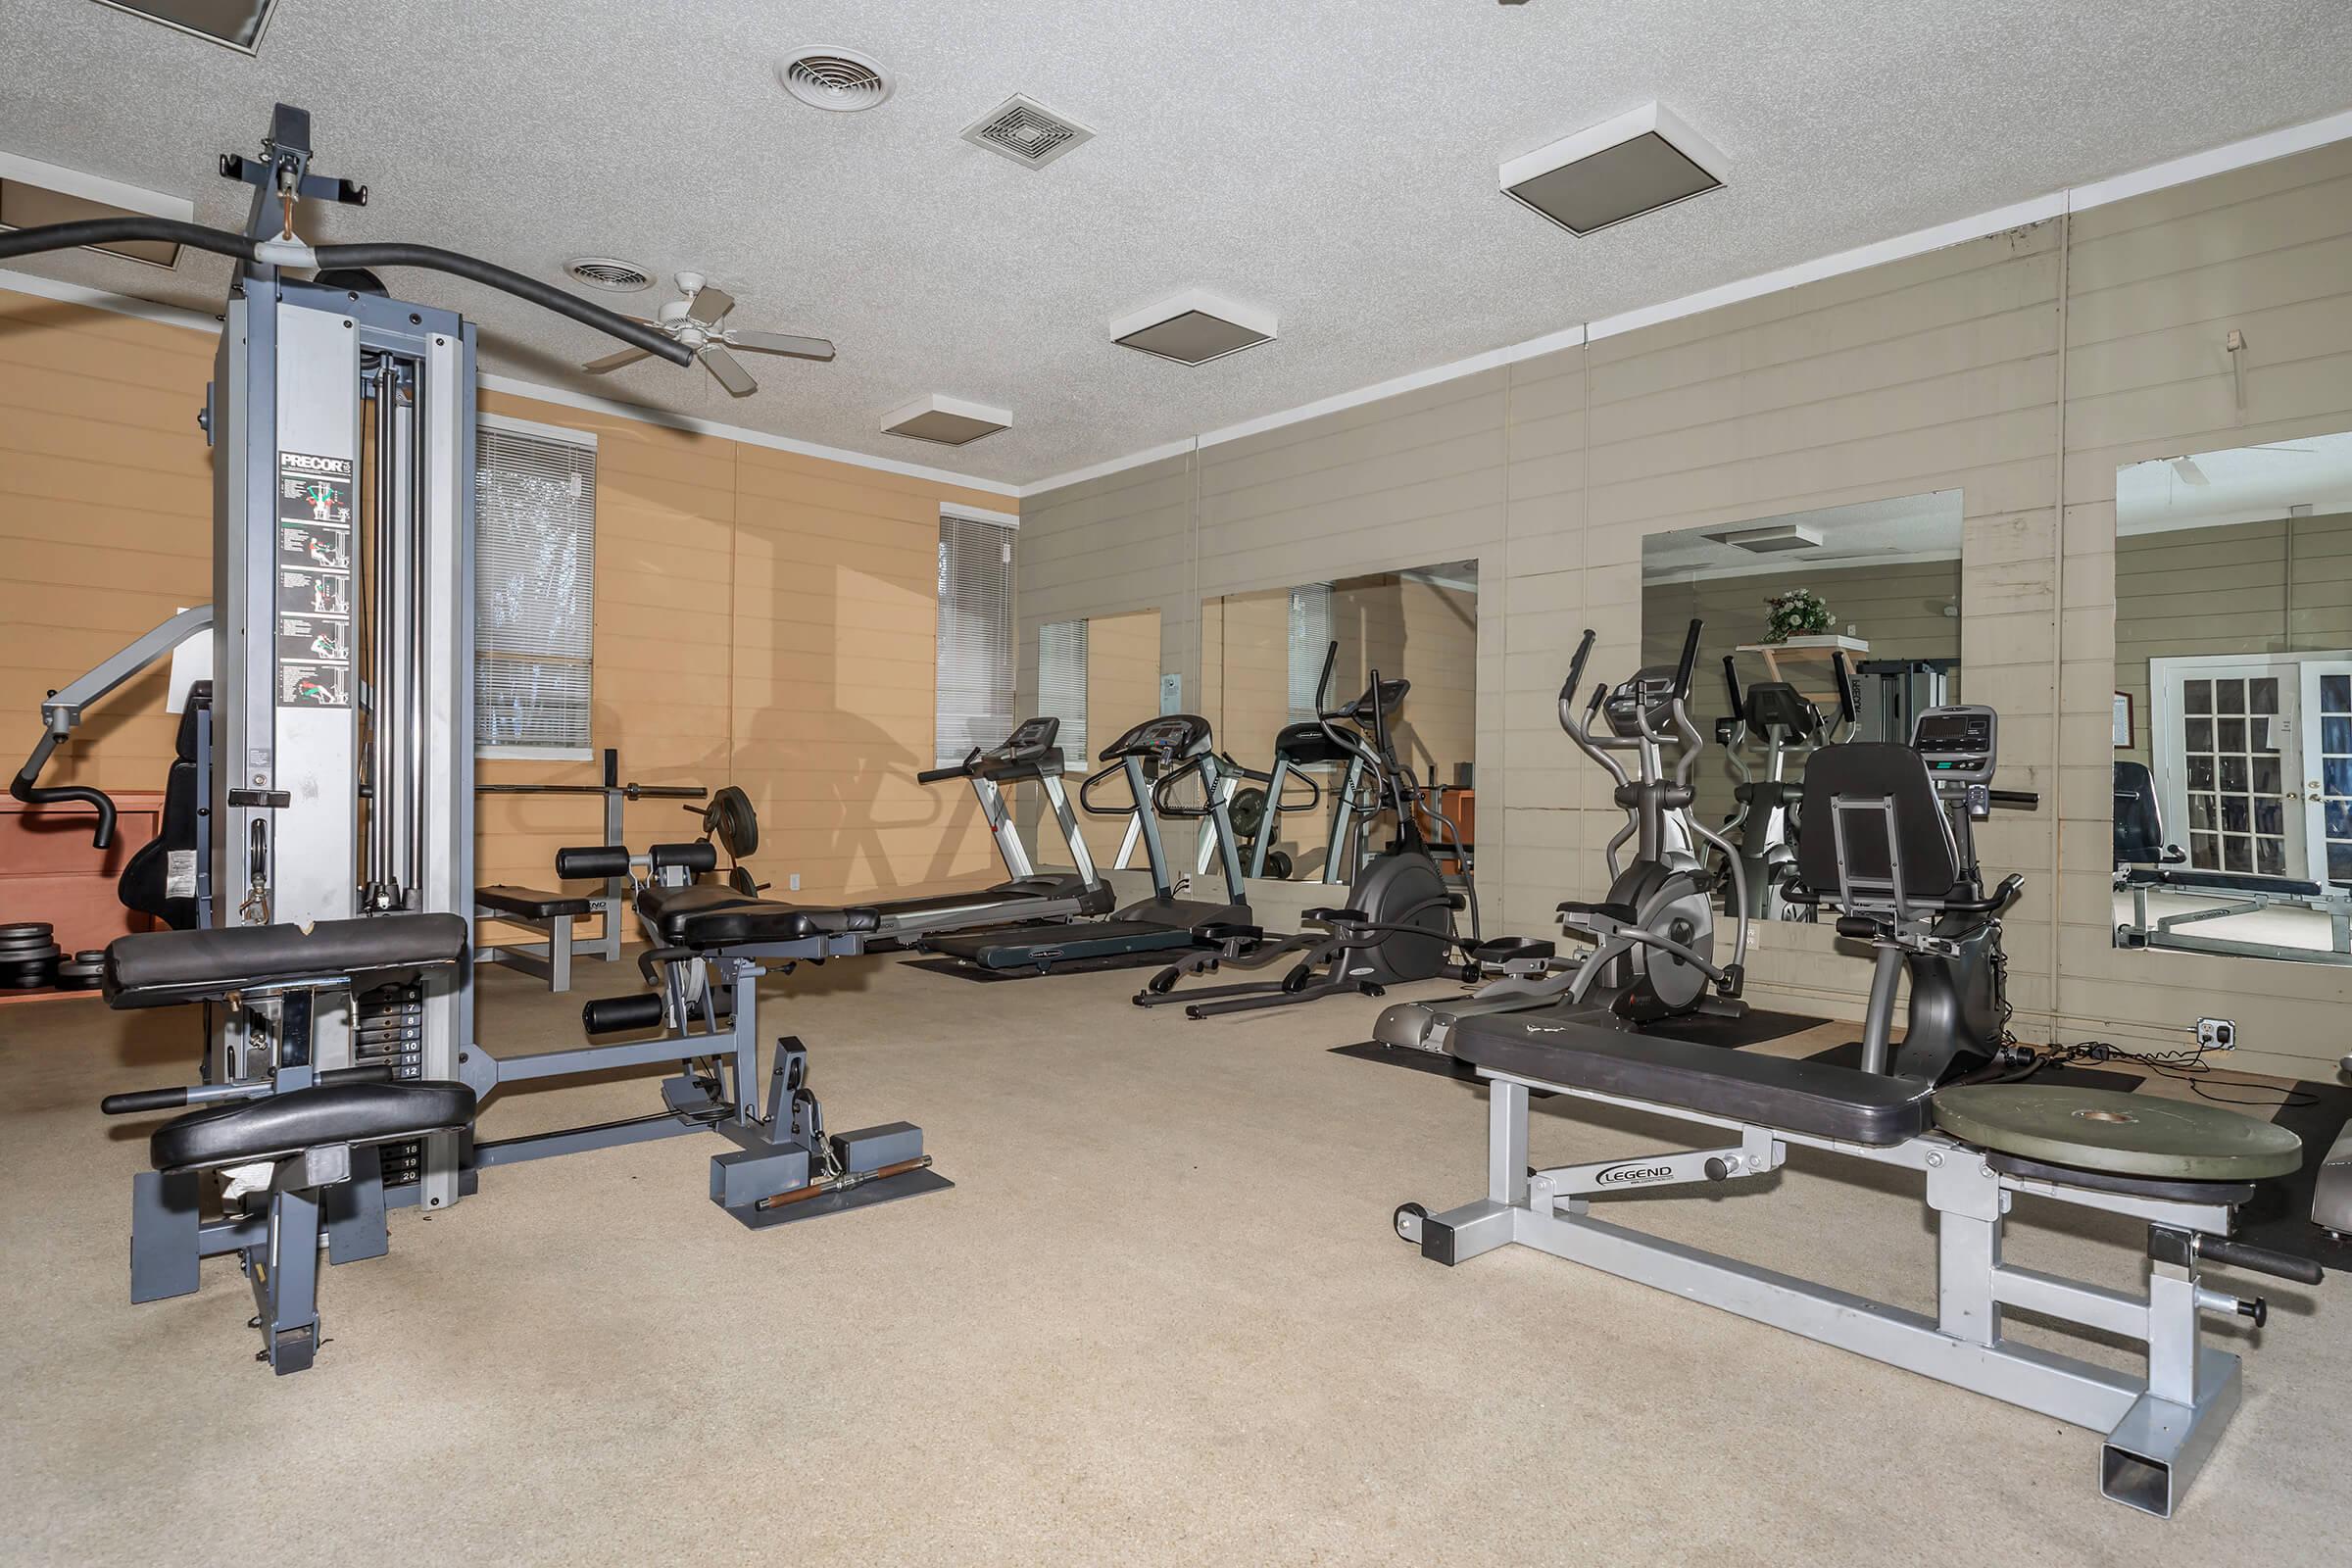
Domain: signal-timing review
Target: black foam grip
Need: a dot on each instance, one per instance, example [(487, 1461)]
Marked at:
[(699, 854), (2262, 1261), (1683, 671), (1576, 666), (1845, 686), (1731, 685), (593, 859), (143, 1100), (612, 1014)]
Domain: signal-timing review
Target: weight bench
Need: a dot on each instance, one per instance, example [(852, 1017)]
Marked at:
[(549, 913), (307, 1137), (2159, 1426), (709, 944)]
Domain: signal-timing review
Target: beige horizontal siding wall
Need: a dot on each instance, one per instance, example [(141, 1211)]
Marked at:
[(2158, 284), (761, 619), (2243, 588)]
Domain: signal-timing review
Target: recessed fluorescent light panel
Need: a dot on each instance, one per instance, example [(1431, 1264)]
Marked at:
[(1193, 327), (1635, 163), (1771, 539), (238, 23), (35, 193), (946, 421)]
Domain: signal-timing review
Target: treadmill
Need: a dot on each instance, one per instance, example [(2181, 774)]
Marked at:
[(1027, 756), (1152, 758)]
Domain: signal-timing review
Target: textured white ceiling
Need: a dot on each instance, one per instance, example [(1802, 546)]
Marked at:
[(1923, 528), (1332, 159)]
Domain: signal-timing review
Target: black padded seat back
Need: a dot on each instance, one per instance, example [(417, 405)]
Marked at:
[(238, 1131), (159, 969), (1872, 770), (2138, 819), (145, 883), (705, 914)]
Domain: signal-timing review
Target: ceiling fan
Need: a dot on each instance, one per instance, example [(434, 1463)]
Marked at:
[(695, 321)]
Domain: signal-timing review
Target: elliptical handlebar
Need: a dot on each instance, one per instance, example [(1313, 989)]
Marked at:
[(1848, 707), (1690, 665), (1730, 688)]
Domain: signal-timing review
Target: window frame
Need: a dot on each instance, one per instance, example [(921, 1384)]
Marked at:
[(585, 440)]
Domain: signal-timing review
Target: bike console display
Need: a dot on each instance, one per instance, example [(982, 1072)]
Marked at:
[(1958, 744), (1169, 738)]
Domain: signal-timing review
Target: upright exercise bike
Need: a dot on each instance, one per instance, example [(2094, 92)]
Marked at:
[(1653, 934), (1398, 924)]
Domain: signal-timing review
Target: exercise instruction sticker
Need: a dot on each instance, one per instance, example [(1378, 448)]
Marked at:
[(314, 580)]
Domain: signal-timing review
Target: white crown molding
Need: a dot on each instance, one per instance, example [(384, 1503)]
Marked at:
[(50, 289), (2182, 171)]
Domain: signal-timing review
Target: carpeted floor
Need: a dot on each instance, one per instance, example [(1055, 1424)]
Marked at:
[(1162, 1318)]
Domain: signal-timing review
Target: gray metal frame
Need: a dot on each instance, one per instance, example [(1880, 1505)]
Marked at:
[(2159, 1426), (2165, 931)]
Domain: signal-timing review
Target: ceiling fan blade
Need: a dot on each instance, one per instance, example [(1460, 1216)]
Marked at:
[(804, 348), (2189, 473), (613, 362), (708, 305), (730, 370)]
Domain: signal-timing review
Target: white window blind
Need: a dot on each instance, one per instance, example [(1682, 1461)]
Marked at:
[(975, 636), (1062, 685), (1310, 640), (534, 600)]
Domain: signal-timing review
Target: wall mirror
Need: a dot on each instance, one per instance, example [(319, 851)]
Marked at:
[(2233, 723), (1876, 584), (1099, 677), (1263, 658)]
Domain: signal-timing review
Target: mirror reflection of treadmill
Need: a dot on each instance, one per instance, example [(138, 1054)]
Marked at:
[(1029, 755), (1154, 758)]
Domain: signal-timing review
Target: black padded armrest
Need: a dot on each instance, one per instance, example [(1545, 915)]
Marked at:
[(158, 968), (239, 1131), (530, 904)]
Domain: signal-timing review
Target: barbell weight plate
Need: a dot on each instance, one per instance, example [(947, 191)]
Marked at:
[(27, 928), (2119, 1134), (730, 820)]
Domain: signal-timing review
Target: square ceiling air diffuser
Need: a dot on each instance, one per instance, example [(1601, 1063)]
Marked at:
[(34, 194), (946, 421), (238, 23), (1193, 327), (1635, 163)]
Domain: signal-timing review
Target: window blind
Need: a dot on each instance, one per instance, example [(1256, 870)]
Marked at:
[(975, 636), (534, 603), (1310, 640), (1062, 685)]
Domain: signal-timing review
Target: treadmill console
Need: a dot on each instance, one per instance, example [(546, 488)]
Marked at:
[(1958, 744), (1027, 744), (1169, 738)]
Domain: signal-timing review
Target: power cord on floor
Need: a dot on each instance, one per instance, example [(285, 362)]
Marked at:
[(2188, 1065)]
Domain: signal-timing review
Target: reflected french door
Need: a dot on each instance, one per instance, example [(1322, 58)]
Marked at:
[(2252, 755)]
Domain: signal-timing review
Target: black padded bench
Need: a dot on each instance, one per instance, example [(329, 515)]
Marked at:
[(549, 913), (708, 915), (1818, 1099)]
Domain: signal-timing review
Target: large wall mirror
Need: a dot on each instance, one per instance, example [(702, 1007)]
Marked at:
[(1099, 677), (1262, 661), (1875, 584), (2232, 725)]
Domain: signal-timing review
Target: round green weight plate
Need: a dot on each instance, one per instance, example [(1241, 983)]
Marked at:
[(2123, 1135)]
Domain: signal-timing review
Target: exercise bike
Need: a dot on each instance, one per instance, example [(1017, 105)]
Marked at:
[(1766, 815), (1654, 933), (1398, 923)]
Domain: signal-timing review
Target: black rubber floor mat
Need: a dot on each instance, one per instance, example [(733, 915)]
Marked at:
[(1118, 961)]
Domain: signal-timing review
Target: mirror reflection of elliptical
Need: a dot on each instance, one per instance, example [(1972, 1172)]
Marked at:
[(2232, 725), (1873, 585)]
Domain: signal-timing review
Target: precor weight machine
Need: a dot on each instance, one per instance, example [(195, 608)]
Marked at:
[(342, 1071)]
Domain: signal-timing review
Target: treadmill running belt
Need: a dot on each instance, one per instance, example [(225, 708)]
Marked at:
[(1041, 949)]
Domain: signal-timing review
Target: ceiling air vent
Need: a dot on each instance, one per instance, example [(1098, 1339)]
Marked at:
[(1636, 164), (840, 80), (1026, 131), (238, 23), (1771, 539), (946, 421), (1193, 327), (609, 273), (35, 193)]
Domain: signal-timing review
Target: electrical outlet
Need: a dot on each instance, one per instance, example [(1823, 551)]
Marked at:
[(795, 882), (2217, 1034)]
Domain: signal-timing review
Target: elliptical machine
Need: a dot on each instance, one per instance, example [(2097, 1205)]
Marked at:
[(1398, 924), (1654, 933), (1767, 816)]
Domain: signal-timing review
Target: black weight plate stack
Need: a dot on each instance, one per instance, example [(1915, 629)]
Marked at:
[(27, 955), (84, 971)]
